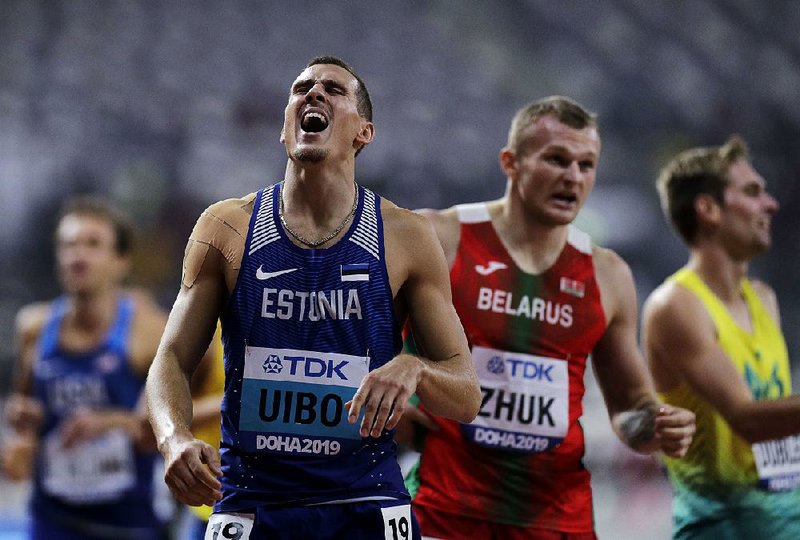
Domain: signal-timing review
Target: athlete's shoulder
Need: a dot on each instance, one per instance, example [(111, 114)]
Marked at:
[(31, 318), (224, 224), (29, 325), (445, 222), (671, 300), (408, 234), (222, 231), (675, 320), (610, 266), (447, 225), (446, 217), (397, 219), (229, 213), (617, 288), (767, 296), (762, 288)]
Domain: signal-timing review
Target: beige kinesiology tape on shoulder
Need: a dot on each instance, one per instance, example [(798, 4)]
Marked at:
[(211, 231)]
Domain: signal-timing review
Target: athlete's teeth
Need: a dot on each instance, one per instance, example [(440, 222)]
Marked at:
[(314, 122)]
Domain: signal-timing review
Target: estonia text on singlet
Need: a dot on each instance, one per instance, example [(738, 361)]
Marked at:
[(302, 329)]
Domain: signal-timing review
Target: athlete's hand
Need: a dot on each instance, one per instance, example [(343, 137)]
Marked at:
[(82, 425), (191, 471), (17, 456), (24, 413), (85, 424), (383, 394), (675, 429)]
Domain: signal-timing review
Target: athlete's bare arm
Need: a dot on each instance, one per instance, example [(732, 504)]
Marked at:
[(29, 323), (23, 412), (448, 231), (681, 345), (211, 264), (206, 408), (637, 417), (445, 380)]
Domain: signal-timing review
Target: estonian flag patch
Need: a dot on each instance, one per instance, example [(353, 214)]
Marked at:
[(355, 272)]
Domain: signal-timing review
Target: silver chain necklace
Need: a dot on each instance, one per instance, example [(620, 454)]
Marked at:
[(316, 243)]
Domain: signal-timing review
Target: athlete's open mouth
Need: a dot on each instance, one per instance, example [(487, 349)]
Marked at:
[(565, 197), (313, 122)]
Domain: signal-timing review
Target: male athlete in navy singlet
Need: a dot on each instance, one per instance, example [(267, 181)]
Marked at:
[(312, 278)]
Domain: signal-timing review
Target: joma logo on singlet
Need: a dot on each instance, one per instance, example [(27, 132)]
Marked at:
[(534, 308), (286, 304)]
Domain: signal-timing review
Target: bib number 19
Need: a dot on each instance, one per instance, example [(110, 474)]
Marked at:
[(397, 522), (229, 527)]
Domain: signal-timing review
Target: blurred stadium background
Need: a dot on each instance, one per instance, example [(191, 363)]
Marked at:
[(168, 106)]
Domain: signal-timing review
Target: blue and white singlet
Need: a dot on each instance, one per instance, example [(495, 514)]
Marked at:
[(102, 484)]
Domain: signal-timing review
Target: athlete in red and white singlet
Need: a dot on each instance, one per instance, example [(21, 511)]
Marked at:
[(536, 297), (519, 462)]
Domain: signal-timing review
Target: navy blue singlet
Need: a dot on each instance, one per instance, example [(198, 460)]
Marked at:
[(302, 329)]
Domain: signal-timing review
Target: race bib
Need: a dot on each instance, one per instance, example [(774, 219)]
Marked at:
[(525, 405), (293, 401), (94, 471), (397, 522), (778, 463), (229, 527)]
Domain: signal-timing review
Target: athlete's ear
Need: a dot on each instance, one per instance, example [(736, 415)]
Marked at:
[(707, 209), (508, 162), (366, 134), (283, 137)]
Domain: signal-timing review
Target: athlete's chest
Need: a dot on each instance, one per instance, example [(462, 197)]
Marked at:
[(68, 382), (290, 285), (501, 305), (72, 340)]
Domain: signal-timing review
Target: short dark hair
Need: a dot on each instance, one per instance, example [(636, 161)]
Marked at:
[(563, 109), (363, 102), (100, 207), (694, 172)]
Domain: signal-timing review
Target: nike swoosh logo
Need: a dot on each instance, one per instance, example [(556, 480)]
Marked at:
[(260, 274), (493, 266)]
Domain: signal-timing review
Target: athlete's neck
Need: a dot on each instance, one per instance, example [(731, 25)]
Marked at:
[(722, 274), (317, 195), (534, 246), (93, 312)]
